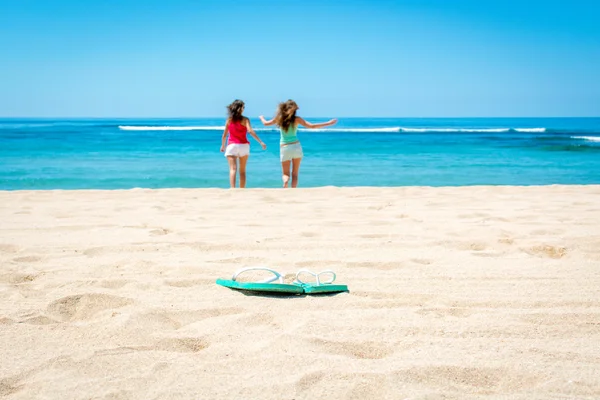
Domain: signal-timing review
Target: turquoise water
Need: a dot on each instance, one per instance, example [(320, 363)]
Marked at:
[(161, 153)]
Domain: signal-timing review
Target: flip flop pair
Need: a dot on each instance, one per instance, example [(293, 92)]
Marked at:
[(299, 286)]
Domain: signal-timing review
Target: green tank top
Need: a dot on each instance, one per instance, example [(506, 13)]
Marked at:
[(289, 136)]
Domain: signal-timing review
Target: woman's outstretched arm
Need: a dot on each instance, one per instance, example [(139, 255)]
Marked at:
[(224, 138), (265, 122), (308, 125), (254, 135)]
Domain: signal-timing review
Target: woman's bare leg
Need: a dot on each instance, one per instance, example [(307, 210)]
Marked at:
[(232, 170), (285, 169), (243, 161), (295, 171)]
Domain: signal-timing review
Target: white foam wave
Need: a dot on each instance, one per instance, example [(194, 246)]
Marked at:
[(474, 130), (588, 138), (357, 130), (220, 128), (532, 130), (392, 129), (422, 130), (171, 128)]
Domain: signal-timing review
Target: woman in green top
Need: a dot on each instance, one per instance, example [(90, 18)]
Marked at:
[(289, 145)]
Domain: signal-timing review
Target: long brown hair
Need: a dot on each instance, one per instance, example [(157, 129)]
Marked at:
[(286, 114), (235, 111)]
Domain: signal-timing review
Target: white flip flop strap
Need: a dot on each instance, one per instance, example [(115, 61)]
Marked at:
[(317, 276), (277, 276)]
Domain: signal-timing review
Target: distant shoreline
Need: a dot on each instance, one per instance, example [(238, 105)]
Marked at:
[(312, 188)]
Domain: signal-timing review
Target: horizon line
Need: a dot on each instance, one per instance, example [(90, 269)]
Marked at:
[(337, 117)]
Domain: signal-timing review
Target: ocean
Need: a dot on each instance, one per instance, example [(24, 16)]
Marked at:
[(184, 153)]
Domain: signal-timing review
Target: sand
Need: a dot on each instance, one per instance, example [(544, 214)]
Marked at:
[(455, 293)]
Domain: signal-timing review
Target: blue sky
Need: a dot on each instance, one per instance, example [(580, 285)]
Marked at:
[(412, 58)]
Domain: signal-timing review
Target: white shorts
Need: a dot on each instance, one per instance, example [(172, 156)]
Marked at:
[(290, 151), (237, 150)]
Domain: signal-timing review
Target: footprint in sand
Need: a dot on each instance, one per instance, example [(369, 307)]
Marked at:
[(364, 350), (182, 345), (84, 306), (351, 386), (309, 234), (488, 254), (421, 261), (27, 259), (96, 251), (175, 345), (160, 232), (547, 251), (476, 246), (479, 380), (172, 320), (8, 387), (8, 248), (506, 240), (308, 381), (39, 320), (13, 384), (151, 322), (17, 278), (380, 207), (547, 232)]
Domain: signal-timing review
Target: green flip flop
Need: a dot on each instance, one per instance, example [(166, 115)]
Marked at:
[(261, 286), (319, 286)]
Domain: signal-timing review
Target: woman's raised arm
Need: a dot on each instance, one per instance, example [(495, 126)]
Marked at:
[(265, 122), (309, 125)]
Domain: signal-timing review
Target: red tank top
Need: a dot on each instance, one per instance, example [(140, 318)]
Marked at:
[(237, 133)]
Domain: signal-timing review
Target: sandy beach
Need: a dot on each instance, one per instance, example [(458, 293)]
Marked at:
[(455, 293)]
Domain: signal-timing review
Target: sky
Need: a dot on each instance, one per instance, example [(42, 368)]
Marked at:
[(363, 58)]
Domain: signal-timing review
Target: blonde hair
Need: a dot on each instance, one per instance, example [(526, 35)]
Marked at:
[(286, 114)]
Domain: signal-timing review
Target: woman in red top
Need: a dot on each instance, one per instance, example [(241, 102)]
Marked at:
[(238, 146)]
